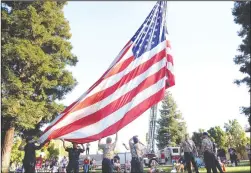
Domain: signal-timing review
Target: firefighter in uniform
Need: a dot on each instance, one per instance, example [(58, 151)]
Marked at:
[(190, 152), (209, 157)]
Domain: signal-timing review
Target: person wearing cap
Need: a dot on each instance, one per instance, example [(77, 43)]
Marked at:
[(29, 161), (209, 157), (74, 153), (137, 152), (108, 154), (190, 151)]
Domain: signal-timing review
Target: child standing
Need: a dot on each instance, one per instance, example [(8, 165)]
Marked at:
[(86, 165)]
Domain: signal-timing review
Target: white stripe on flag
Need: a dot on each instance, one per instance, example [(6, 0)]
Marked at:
[(137, 62), (101, 125), (117, 94)]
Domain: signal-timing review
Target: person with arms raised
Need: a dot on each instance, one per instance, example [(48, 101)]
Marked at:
[(137, 152), (74, 153), (108, 154), (29, 161)]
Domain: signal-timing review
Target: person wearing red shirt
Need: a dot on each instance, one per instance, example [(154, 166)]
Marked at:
[(39, 162), (86, 165)]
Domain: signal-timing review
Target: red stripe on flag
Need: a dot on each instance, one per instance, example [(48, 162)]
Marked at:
[(66, 111), (108, 71), (120, 67), (110, 108), (169, 58), (121, 55), (125, 79), (170, 79), (128, 118)]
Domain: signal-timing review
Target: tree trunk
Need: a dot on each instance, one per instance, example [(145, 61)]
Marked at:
[(6, 149)]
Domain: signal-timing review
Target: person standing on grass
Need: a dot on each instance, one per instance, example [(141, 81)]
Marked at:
[(87, 148), (233, 156), (108, 153), (47, 165), (86, 165), (74, 153), (137, 152), (64, 163), (39, 162), (91, 164), (29, 161), (209, 157), (190, 152), (248, 151), (218, 164)]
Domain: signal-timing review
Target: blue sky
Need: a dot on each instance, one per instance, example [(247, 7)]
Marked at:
[(204, 40)]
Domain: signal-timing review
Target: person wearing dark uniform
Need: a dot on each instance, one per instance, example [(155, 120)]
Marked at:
[(209, 157), (29, 161), (74, 153), (190, 150), (233, 156)]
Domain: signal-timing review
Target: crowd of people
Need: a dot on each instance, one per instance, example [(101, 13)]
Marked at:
[(211, 160), (33, 164), (111, 162)]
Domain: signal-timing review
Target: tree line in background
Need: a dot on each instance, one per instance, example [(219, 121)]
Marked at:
[(171, 129), (232, 136)]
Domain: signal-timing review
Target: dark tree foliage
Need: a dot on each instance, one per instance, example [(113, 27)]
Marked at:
[(170, 127), (241, 13)]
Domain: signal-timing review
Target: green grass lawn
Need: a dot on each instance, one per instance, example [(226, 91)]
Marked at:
[(240, 169), (244, 167)]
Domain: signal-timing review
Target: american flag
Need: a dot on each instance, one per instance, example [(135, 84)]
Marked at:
[(135, 81)]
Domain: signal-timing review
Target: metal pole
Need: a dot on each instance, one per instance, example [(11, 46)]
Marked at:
[(152, 128)]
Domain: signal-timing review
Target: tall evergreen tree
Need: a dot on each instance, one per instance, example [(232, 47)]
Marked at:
[(171, 127), (241, 13), (35, 52)]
